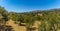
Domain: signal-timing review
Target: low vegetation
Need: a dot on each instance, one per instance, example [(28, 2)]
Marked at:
[(50, 19)]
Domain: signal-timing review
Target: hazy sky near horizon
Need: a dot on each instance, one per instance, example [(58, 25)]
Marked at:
[(29, 5)]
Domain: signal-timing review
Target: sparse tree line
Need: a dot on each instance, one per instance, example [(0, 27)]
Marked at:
[(50, 19)]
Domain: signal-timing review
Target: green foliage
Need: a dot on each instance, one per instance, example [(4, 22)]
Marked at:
[(3, 15), (50, 19)]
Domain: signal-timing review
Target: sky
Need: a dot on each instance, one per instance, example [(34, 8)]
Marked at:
[(29, 5)]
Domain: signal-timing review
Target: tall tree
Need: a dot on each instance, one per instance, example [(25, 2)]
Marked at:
[(3, 15)]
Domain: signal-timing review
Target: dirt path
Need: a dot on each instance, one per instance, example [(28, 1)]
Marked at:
[(36, 24), (15, 26)]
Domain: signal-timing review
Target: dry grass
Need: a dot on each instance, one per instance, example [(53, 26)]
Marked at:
[(15, 26), (21, 28)]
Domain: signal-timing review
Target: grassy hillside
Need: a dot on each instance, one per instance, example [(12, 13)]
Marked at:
[(50, 19)]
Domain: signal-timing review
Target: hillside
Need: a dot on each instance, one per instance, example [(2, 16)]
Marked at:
[(40, 20)]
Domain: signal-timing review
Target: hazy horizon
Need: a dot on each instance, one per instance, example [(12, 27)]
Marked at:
[(29, 5)]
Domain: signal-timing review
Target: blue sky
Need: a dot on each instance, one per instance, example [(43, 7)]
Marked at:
[(29, 5)]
